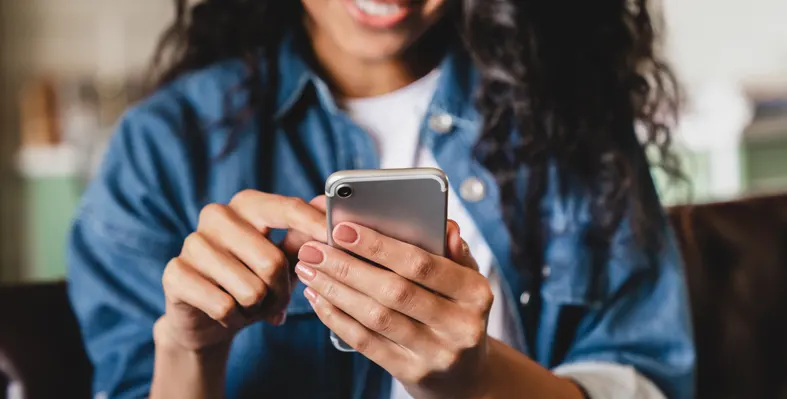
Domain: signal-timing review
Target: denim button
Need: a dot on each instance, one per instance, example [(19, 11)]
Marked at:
[(441, 123), (524, 299), (546, 271), (472, 190)]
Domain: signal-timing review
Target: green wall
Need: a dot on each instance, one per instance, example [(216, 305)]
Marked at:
[(51, 202), (765, 165)]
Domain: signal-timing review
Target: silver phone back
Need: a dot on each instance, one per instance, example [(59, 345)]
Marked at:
[(409, 205)]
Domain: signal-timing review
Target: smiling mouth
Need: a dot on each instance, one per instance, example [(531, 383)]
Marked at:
[(377, 8), (381, 14)]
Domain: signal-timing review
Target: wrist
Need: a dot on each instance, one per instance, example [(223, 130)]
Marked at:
[(170, 341), (508, 373), (485, 379), (183, 371)]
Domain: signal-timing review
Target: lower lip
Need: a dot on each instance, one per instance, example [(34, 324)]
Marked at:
[(376, 21)]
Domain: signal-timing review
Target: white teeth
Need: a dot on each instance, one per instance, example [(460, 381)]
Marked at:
[(372, 7)]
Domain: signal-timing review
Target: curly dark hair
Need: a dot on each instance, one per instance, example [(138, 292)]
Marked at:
[(574, 77)]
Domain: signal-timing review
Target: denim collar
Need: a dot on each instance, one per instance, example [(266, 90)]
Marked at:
[(454, 94)]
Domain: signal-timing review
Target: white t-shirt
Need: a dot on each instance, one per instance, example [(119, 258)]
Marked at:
[(394, 121)]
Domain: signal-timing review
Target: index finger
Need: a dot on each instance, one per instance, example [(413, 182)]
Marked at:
[(271, 211), (295, 239)]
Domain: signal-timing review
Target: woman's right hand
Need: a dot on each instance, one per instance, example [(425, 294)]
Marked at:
[(229, 274)]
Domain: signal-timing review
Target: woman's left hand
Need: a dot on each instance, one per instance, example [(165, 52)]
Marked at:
[(422, 317)]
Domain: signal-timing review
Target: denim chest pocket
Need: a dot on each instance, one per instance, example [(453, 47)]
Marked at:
[(573, 276), (579, 275)]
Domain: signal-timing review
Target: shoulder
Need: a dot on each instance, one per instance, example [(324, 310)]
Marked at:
[(149, 169), (162, 127), (203, 92)]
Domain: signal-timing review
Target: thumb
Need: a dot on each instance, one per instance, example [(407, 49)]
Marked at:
[(458, 250), (290, 246)]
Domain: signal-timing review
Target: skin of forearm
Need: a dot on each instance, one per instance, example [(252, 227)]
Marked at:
[(183, 373), (509, 374)]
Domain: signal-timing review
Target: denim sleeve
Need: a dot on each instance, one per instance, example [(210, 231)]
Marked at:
[(126, 230), (644, 320)]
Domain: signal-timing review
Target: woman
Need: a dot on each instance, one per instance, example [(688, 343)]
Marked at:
[(574, 288)]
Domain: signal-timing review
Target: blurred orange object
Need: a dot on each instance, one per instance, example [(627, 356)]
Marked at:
[(39, 114)]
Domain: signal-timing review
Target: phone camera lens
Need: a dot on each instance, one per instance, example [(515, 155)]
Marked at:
[(345, 191)]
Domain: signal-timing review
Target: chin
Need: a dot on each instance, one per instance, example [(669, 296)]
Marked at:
[(383, 31), (374, 50)]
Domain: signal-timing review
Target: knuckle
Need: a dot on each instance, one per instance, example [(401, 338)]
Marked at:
[(274, 261), (446, 360), (477, 335), (169, 279), (380, 319), (327, 314), (483, 296), (193, 246), (421, 266), (472, 335), (191, 241), (376, 248), (295, 204), (255, 294), (329, 290), (418, 375), (242, 197), (342, 270), (400, 294), (361, 339), (222, 309), (212, 213)]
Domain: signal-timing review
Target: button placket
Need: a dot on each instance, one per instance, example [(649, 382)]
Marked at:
[(472, 189), (441, 123), (524, 299), (546, 271)]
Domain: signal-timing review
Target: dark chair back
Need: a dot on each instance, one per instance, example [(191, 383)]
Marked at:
[(736, 266), (40, 345)]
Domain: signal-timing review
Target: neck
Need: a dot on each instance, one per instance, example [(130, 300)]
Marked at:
[(354, 77)]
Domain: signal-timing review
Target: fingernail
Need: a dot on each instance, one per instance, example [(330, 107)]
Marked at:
[(279, 319), (310, 254), (305, 271), (458, 229), (310, 294), (465, 247), (345, 234)]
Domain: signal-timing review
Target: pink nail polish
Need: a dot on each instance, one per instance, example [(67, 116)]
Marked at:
[(345, 234), (310, 294), (305, 272), (310, 254), (456, 225)]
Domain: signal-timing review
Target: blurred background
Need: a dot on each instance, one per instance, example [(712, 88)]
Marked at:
[(69, 67)]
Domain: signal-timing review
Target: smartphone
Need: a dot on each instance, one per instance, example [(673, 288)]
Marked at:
[(409, 205)]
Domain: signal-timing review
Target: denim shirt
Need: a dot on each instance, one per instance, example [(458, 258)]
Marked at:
[(169, 158)]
